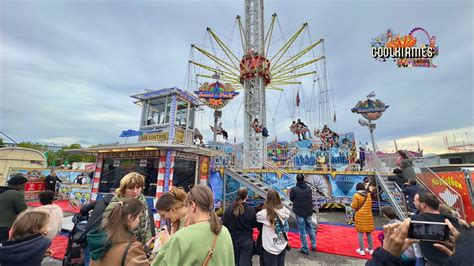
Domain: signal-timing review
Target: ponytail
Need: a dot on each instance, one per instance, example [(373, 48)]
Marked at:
[(239, 208), (117, 223), (216, 224)]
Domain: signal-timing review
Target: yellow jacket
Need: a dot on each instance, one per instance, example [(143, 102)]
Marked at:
[(364, 221)]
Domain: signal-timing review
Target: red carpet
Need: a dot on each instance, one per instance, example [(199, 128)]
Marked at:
[(334, 239), (63, 204), (59, 246)]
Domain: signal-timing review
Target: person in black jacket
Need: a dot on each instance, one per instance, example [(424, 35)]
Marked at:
[(50, 181), (95, 218), (240, 219), (399, 178), (410, 191), (302, 198)]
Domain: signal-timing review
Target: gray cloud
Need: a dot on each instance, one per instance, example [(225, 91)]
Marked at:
[(68, 68)]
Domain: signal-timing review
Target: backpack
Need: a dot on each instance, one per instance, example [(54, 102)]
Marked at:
[(265, 132)]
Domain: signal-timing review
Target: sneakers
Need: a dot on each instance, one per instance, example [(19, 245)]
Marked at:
[(360, 252), (303, 251), (370, 251)]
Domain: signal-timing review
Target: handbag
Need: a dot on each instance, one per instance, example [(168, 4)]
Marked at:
[(355, 211), (288, 248), (210, 253)]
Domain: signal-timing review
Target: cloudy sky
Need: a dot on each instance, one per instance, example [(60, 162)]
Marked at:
[(67, 68)]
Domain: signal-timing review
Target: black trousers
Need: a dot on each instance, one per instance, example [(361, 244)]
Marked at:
[(274, 260), (243, 253), (4, 233)]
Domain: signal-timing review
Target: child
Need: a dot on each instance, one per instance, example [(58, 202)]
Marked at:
[(389, 213), (27, 244), (55, 213)]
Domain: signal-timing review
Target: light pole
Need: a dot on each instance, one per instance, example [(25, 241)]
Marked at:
[(371, 110)]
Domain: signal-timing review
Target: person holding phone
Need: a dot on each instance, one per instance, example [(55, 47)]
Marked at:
[(170, 206), (428, 206)]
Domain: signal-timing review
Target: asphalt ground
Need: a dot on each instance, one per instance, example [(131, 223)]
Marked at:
[(294, 257)]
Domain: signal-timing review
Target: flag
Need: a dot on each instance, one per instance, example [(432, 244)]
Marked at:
[(371, 95), (130, 133), (334, 119), (298, 99)]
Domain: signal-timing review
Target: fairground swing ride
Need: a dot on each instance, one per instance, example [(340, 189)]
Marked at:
[(257, 61)]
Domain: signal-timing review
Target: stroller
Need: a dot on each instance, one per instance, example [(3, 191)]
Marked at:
[(75, 242)]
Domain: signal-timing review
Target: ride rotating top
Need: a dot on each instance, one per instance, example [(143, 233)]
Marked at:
[(256, 71)]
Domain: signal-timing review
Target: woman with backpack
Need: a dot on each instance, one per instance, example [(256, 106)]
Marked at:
[(274, 218), (131, 186), (363, 218), (120, 246), (240, 219), (205, 241), (28, 243)]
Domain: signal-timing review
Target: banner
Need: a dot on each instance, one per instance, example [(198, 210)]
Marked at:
[(457, 182)]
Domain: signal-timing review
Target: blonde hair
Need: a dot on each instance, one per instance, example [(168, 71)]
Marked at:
[(130, 181), (28, 223)]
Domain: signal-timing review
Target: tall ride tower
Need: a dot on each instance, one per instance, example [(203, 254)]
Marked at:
[(254, 86)]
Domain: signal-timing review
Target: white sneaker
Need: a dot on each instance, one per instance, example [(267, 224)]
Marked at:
[(360, 252), (370, 251)]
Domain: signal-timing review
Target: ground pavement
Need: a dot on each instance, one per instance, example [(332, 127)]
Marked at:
[(296, 258)]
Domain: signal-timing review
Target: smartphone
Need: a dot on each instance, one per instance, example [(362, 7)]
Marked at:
[(168, 225), (428, 231)]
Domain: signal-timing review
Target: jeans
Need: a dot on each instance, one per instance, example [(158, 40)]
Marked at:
[(271, 260), (243, 253), (305, 225), (360, 235), (420, 262), (87, 256)]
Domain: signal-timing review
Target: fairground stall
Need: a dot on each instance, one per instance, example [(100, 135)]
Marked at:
[(165, 153)]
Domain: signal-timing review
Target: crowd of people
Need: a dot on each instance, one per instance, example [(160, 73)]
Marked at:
[(121, 229)]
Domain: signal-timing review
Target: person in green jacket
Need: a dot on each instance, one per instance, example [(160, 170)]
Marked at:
[(204, 242), (131, 186), (12, 202)]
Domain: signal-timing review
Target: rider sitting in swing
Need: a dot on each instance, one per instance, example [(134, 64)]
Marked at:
[(259, 128), (220, 131)]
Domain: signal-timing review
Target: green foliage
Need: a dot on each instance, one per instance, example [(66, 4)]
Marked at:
[(61, 156)]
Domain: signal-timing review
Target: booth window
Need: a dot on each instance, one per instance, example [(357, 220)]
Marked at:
[(115, 169), (158, 111), (181, 113)]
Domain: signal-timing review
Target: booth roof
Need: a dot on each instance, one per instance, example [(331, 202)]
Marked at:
[(149, 146), (167, 91)]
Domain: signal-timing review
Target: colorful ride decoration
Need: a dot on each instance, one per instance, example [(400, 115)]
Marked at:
[(370, 109), (216, 95), (252, 65)]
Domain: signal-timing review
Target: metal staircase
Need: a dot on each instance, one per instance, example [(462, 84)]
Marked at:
[(394, 193), (258, 185)]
